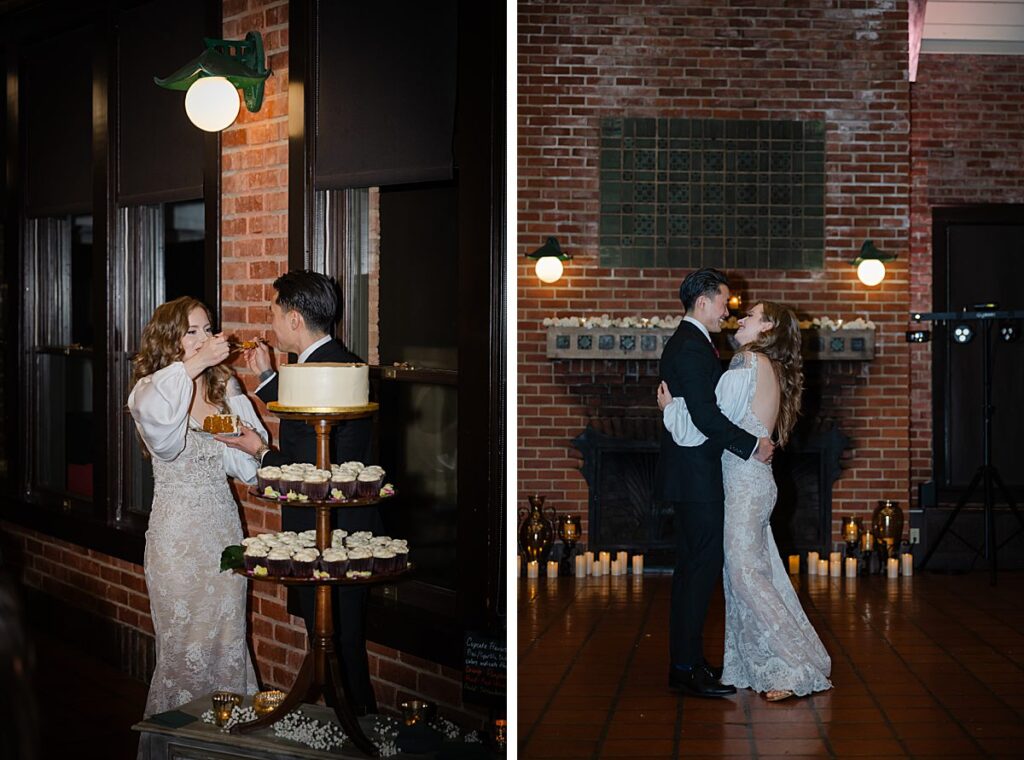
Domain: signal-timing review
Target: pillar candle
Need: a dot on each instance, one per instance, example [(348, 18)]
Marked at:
[(623, 561), (907, 563), (851, 567), (893, 568), (606, 559), (823, 567), (794, 564), (589, 558), (835, 569), (581, 566), (638, 564), (595, 569), (552, 569), (812, 563), (532, 569)]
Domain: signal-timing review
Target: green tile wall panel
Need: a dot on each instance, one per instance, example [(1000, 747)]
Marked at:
[(707, 192)]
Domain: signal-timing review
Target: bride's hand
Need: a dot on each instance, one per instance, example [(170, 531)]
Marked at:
[(664, 397), (213, 351)]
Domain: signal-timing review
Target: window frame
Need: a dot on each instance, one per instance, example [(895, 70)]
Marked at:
[(102, 527), (479, 602)]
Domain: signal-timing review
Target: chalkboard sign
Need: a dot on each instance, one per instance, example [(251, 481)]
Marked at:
[(483, 677)]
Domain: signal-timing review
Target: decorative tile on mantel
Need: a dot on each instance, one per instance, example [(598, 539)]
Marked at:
[(648, 343)]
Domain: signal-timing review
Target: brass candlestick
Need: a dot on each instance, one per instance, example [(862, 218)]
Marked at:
[(569, 530)]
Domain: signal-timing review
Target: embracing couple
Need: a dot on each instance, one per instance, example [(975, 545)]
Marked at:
[(715, 471)]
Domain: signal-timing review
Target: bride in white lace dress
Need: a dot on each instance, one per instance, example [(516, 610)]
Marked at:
[(770, 645), (198, 612)]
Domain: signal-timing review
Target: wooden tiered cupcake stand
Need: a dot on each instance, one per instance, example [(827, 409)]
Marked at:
[(320, 673)]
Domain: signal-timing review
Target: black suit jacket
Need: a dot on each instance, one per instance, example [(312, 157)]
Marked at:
[(694, 473), (350, 440)]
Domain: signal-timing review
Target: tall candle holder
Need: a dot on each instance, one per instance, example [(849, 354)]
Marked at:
[(887, 524), (569, 531), (852, 528)]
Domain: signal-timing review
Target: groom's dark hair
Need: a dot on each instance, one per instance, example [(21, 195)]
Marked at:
[(702, 282), (313, 295)]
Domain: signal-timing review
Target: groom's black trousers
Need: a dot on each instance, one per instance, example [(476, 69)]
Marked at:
[(699, 556)]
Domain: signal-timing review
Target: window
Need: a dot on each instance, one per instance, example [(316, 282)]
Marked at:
[(59, 414), (163, 257), (435, 294), (419, 405)]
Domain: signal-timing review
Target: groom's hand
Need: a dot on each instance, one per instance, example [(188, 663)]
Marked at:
[(258, 359), (765, 450)]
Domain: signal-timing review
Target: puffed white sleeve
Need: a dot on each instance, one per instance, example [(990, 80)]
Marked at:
[(159, 405), (238, 464), (733, 395)]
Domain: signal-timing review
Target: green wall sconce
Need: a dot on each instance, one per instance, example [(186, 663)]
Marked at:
[(869, 263), (549, 261), (211, 81)]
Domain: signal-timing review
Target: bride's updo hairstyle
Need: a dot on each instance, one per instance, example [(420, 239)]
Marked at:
[(781, 344), (161, 346)]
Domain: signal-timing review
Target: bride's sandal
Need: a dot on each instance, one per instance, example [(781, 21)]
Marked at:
[(777, 695)]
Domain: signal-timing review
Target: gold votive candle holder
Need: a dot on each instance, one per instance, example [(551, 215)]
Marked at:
[(224, 702), (264, 702), (417, 711)]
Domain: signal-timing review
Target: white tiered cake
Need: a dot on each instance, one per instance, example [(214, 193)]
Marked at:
[(323, 385)]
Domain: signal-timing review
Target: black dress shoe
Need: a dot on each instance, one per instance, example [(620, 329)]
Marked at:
[(698, 683), (714, 672)]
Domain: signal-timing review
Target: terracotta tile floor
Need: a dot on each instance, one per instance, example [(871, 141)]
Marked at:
[(928, 666)]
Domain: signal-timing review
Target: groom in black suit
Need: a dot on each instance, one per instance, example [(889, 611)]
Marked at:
[(303, 315), (690, 478)]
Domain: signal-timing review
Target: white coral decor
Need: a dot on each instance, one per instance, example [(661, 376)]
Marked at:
[(604, 321), (671, 322)]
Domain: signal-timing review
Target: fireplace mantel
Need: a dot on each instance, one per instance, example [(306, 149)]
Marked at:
[(647, 343)]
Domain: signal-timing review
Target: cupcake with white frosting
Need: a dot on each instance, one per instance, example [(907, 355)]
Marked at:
[(304, 562), (279, 561), (255, 554), (335, 562)]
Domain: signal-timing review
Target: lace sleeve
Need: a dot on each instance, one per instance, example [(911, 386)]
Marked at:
[(742, 360)]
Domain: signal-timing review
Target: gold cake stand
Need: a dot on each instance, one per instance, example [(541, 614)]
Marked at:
[(320, 672)]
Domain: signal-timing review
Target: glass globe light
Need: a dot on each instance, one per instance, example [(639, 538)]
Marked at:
[(871, 272), (549, 269), (212, 103)]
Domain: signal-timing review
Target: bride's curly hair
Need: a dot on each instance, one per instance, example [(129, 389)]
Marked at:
[(161, 346), (781, 344)]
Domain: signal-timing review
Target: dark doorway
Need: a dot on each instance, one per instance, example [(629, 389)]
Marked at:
[(978, 258)]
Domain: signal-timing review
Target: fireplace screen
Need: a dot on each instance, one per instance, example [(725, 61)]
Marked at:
[(623, 514)]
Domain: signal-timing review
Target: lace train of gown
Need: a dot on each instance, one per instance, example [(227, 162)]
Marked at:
[(198, 612), (769, 642)]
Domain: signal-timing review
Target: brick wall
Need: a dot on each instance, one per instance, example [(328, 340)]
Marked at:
[(843, 63), (965, 150), (254, 231)]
